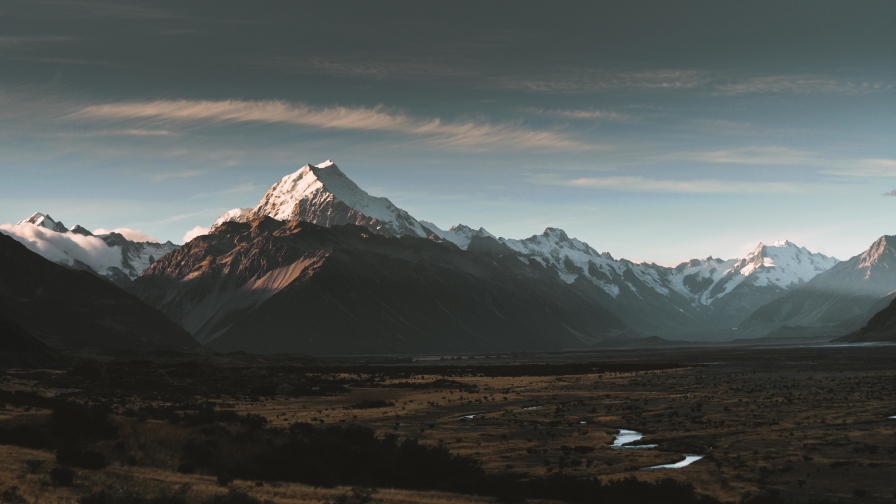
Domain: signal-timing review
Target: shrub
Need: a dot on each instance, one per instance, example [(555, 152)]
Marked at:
[(26, 436), (62, 476), (71, 422), (373, 404), (233, 497), (84, 459), (12, 496)]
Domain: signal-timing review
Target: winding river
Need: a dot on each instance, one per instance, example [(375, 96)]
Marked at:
[(623, 442)]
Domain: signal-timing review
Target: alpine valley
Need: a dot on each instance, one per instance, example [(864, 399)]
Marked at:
[(321, 267)]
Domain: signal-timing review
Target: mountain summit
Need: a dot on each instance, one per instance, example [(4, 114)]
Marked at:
[(45, 221), (323, 195)]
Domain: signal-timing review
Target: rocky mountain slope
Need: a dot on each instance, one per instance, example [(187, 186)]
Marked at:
[(323, 195), (75, 309), (110, 256), (838, 301), (269, 286)]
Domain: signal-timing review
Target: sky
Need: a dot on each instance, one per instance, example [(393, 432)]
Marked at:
[(657, 131)]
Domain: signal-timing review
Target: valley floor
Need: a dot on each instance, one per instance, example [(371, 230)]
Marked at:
[(801, 423)]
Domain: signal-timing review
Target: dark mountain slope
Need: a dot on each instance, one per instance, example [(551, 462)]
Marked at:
[(881, 326), (18, 349), (75, 309), (268, 286)]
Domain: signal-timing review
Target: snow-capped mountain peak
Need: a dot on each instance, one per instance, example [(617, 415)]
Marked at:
[(44, 221), (783, 264), (324, 195)]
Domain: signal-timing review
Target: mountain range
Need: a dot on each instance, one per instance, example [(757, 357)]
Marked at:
[(698, 299), (320, 266)]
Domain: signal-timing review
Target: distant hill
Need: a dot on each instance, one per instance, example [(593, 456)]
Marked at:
[(76, 309)]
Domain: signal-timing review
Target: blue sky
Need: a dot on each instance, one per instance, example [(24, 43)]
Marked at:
[(652, 130)]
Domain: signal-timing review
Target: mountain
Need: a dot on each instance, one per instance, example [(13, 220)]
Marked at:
[(323, 195), (75, 309), (137, 256), (269, 286), (45, 221), (699, 298), (881, 326), (837, 301), (110, 256)]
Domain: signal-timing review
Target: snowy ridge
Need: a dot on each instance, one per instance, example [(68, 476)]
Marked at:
[(459, 235), (44, 221), (136, 257), (782, 264), (701, 281), (324, 195)]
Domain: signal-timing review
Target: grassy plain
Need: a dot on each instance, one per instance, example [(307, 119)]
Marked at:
[(799, 423)]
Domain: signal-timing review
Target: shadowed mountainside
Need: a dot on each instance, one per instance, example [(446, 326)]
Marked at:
[(269, 286), (75, 309)]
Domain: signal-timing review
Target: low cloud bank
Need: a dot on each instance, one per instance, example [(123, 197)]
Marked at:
[(65, 248), (134, 235), (193, 233)]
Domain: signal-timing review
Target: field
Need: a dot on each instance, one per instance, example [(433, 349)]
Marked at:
[(777, 423)]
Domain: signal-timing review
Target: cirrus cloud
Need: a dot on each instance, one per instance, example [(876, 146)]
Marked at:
[(463, 133)]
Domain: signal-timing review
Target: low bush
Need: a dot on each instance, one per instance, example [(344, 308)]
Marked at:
[(26, 436), (62, 476), (84, 459)]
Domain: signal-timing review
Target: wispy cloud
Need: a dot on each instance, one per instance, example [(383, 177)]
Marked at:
[(706, 82), (805, 84), (649, 185), (468, 133), (583, 114), (596, 81), (873, 167), (363, 68), (754, 155), (27, 42)]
